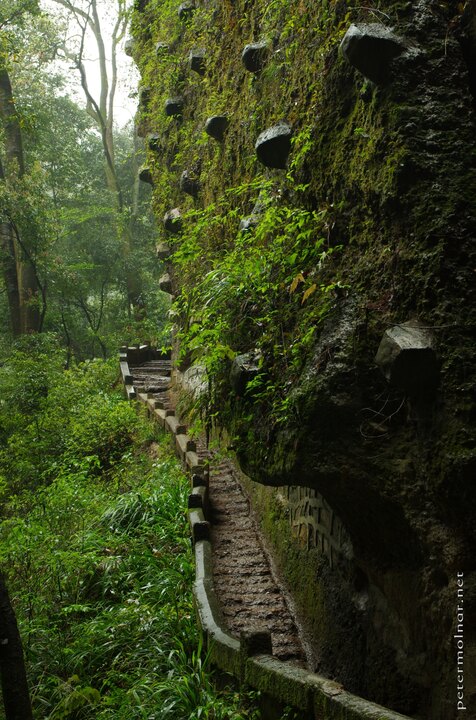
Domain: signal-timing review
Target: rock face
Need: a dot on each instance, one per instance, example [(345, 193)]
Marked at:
[(189, 184), (173, 221), (408, 360), (174, 106), (195, 380), (273, 146), (243, 369), (216, 126), (385, 146), (145, 175), (370, 48), (254, 56), (197, 61)]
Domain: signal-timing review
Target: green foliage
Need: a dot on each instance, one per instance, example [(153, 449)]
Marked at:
[(67, 226), (98, 559), (255, 286), (49, 418)]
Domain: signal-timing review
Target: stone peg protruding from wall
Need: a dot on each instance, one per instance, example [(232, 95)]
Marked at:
[(370, 48), (216, 126), (163, 251), (189, 184), (174, 106), (273, 146), (145, 175), (243, 369), (129, 47), (254, 56), (173, 222), (407, 358), (165, 284), (186, 10), (153, 142), (197, 60), (162, 48)]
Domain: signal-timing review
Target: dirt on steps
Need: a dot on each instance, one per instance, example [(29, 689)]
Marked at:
[(250, 595)]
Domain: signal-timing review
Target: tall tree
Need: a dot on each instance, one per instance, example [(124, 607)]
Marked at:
[(86, 16), (24, 290)]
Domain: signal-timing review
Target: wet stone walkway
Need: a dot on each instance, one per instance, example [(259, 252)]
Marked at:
[(250, 595)]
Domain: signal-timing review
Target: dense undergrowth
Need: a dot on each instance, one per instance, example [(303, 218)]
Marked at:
[(95, 547)]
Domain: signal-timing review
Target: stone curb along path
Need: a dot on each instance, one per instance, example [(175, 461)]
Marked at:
[(246, 623)]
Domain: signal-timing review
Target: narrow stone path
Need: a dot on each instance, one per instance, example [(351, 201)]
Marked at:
[(250, 595)]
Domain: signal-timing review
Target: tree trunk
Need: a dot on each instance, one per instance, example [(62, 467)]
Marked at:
[(102, 111), (9, 268), (20, 277), (16, 698), (29, 298)]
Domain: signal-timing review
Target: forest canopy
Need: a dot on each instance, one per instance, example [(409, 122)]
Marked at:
[(76, 234)]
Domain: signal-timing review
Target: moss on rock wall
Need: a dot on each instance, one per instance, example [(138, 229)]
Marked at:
[(371, 224)]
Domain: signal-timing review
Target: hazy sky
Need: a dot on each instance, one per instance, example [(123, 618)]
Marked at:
[(128, 77)]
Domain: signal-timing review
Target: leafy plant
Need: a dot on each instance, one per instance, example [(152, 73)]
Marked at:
[(99, 563)]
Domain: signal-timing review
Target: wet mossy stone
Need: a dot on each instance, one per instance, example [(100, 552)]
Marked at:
[(174, 106), (189, 184), (273, 146), (153, 141), (216, 126), (370, 48), (186, 11), (162, 48), (145, 175), (407, 358), (129, 47), (173, 221), (165, 284), (254, 56), (196, 60)]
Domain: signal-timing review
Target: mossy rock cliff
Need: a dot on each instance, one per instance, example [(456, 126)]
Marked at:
[(370, 225)]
